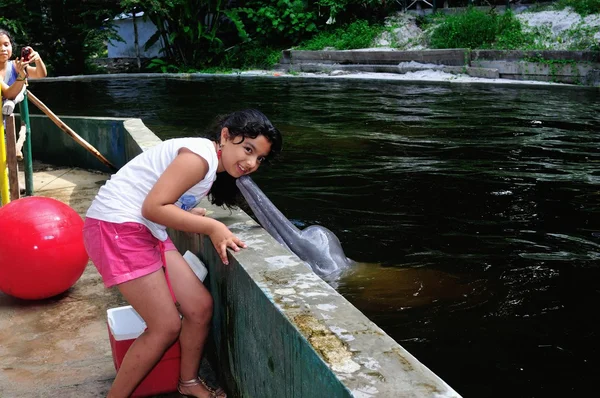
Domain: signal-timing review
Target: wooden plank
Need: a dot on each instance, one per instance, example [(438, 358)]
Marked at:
[(35, 101), (11, 158)]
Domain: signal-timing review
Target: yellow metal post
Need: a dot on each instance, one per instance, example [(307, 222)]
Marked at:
[(3, 170)]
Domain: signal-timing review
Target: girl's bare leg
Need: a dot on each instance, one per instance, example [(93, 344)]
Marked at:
[(196, 305), (150, 297)]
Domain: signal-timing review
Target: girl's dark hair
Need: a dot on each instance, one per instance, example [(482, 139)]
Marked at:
[(5, 33), (247, 123)]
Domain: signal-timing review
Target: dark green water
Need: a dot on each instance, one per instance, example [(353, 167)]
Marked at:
[(491, 194)]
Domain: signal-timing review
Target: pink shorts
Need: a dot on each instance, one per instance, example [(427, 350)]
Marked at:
[(122, 252)]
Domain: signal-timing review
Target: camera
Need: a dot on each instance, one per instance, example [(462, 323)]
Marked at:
[(25, 51)]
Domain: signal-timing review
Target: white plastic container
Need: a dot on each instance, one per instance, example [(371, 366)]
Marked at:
[(124, 326), (125, 323), (196, 265)]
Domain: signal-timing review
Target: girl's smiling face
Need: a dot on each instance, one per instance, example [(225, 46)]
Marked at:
[(5, 48), (243, 157)]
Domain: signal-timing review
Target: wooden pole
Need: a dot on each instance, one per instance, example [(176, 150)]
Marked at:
[(11, 158), (68, 130)]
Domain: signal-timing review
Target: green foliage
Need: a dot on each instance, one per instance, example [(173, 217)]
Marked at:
[(358, 34), (280, 20), (242, 57), (65, 32), (349, 9), (581, 37), (510, 34), (478, 29), (469, 30), (209, 33), (160, 65), (193, 32), (251, 55), (582, 7), (13, 26)]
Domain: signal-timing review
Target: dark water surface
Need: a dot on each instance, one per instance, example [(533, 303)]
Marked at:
[(476, 209)]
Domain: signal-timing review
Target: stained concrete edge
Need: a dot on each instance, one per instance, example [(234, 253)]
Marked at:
[(367, 361)]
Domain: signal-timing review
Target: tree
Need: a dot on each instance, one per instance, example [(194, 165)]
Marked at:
[(66, 32)]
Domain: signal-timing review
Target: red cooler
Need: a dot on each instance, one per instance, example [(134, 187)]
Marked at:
[(124, 326)]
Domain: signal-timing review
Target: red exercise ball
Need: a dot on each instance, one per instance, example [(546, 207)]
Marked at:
[(41, 248)]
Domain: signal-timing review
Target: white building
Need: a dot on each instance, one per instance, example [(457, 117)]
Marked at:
[(145, 29)]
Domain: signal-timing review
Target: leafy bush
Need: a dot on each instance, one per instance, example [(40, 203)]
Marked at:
[(358, 34), (478, 29), (471, 29), (349, 8), (510, 34), (582, 7), (278, 20), (251, 55)]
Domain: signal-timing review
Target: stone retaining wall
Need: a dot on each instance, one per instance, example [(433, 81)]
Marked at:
[(575, 67)]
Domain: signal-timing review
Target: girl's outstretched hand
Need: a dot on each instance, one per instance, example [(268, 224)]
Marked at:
[(222, 238)]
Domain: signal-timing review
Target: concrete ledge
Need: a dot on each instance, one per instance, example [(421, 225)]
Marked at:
[(335, 69), (487, 73), (573, 67), (280, 331), (455, 57), (139, 139), (516, 55)]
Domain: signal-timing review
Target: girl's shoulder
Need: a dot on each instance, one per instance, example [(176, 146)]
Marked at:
[(194, 142), (180, 140), (201, 146)]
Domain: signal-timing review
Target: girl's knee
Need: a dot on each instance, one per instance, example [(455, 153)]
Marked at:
[(201, 311), (167, 330)]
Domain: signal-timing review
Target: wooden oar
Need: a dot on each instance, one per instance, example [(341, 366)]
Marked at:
[(68, 130)]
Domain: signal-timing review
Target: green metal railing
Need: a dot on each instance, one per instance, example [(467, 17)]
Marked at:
[(28, 162)]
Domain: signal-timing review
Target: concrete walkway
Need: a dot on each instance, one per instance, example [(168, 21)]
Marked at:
[(59, 347)]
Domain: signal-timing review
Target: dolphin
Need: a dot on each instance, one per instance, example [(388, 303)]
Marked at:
[(315, 245)]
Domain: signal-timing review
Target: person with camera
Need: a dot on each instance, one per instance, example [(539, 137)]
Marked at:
[(14, 74)]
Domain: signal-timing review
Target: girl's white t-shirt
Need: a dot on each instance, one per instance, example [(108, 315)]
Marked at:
[(120, 199)]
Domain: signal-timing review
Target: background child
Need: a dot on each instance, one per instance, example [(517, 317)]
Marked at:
[(125, 236), (13, 74)]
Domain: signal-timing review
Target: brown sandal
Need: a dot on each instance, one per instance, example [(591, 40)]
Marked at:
[(218, 393)]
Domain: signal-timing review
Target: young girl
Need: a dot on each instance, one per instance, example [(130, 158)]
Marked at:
[(125, 236), (13, 74)]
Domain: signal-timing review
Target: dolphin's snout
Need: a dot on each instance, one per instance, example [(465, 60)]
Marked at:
[(316, 245)]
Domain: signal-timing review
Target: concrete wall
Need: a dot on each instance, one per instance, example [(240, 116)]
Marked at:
[(118, 139), (51, 144), (451, 57), (574, 67), (278, 330)]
